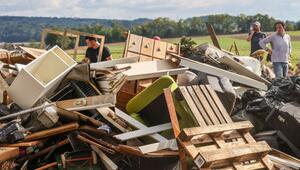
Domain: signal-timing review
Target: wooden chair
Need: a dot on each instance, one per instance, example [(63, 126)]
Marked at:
[(218, 142)]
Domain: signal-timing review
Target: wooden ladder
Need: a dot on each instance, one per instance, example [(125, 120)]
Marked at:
[(218, 142)]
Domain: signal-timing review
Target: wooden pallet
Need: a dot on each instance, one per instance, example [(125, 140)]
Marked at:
[(218, 142)]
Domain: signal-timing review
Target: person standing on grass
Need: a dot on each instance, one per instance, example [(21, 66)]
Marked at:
[(92, 51), (255, 36), (281, 49)]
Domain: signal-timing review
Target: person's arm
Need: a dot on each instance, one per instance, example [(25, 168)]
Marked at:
[(263, 43), (106, 54), (250, 35)]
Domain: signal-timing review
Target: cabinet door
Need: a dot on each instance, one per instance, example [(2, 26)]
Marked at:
[(173, 48), (134, 44), (160, 49), (147, 46)]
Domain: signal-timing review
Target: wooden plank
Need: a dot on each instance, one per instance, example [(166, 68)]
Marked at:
[(7, 153), (133, 122), (238, 151), (23, 144), (108, 150), (215, 130), (213, 35), (212, 104), (206, 105), (175, 125), (143, 132), (202, 112), (169, 144), (112, 63), (172, 111), (108, 163), (77, 116), (151, 69), (52, 131), (219, 104), (76, 46), (239, 68), (110, 116), (47, 166), (220, 73), (192, 106), (75, 104)]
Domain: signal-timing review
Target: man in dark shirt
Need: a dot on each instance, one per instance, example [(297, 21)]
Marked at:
[(92, 51), (255, 36)]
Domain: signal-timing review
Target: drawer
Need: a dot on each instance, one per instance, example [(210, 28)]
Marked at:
[(160, 49), (147, 46), (135, 42), (173, 48)]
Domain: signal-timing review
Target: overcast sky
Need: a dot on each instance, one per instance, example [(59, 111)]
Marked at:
[(132, 9)]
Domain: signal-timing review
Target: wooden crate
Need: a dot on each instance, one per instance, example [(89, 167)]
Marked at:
[(218, 142)]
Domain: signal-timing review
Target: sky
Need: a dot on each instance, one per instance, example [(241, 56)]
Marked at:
[(132, 9)]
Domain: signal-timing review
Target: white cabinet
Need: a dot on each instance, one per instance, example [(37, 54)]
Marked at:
[(40, 77)]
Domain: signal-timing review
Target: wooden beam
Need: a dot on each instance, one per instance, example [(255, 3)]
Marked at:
[(208, 69), (77, 116), (7, 153), (188, 133), (213, 35), (238, 151), (52, 132), (108, 163), (112, 63), (242, 70), (76, 46), (143, 132), (138, 124), (169, 144), (175, 126), (80, 103)]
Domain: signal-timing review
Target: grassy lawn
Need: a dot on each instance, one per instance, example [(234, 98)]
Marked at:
[(225, 41)]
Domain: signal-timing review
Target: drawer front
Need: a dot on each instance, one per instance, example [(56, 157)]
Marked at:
[(135, 42), (160, 49), (172, 48), (147, 46)]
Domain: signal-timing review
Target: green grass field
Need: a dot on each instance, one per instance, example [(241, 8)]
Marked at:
[(225, 41)]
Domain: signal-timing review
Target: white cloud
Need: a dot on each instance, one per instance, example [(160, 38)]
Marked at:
[(130, 9)]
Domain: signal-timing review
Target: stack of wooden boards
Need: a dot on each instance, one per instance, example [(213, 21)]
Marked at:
[(218, 142)]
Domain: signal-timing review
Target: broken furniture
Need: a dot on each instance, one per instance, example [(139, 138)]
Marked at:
[(218, 142), (148, 49), (153, 111), (235, 63), (73, 34), (211, 70), (40, 77)]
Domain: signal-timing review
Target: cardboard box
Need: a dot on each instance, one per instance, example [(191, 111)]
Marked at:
[(40, 77)]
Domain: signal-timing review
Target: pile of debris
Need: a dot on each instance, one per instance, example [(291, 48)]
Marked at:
[(151, 109)]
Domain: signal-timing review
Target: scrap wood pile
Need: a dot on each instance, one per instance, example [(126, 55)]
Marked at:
[(151, 109)]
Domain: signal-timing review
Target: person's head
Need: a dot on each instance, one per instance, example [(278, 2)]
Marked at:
[(90, 41), (256, 26), (280, 27), (157, 38)]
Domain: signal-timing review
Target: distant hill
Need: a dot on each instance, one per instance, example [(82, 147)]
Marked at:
[(22, 29)]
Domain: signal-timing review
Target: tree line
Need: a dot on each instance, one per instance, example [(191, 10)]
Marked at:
[(163, 27)]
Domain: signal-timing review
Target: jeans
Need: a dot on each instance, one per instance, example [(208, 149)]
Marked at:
[(280, 69)]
